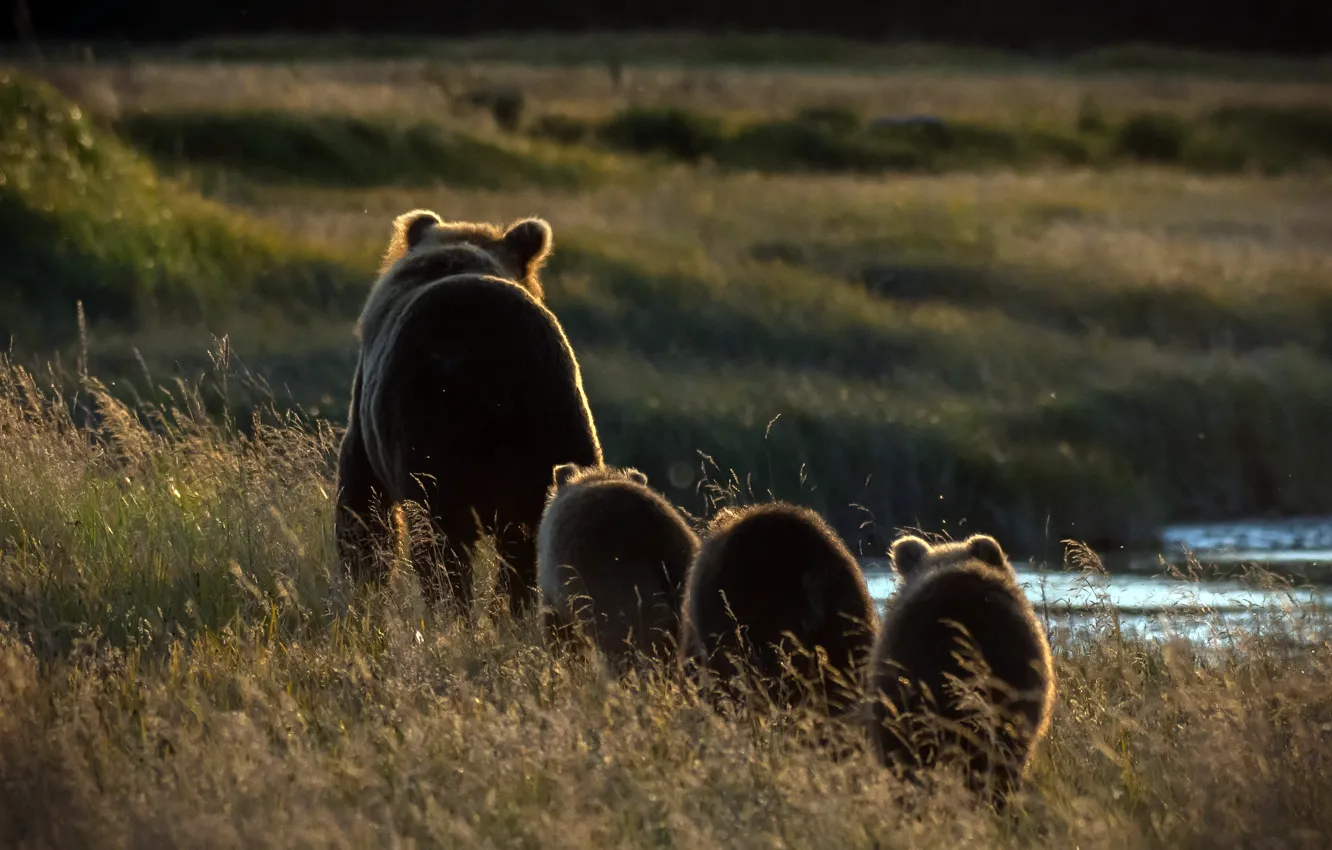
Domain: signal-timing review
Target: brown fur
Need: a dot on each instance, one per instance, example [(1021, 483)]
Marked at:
[(776, 572), (612, 555), (466, 395), (919, 718), (455, 247)]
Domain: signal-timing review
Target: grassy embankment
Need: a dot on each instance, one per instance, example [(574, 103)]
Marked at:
[(1043, 352)]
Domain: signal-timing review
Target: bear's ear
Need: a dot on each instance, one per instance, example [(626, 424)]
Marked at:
[(408, 230), (417, 226), (637, 477), (529, 241), (986, 549), (908, 554), (564, 473)]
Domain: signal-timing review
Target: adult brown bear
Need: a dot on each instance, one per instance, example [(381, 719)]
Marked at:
[(961, 669), (466, 395)]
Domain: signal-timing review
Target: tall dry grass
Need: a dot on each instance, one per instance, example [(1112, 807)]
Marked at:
[(183, 667)]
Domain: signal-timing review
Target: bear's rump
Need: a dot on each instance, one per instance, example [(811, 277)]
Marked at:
[(494, 462), (925, 639)]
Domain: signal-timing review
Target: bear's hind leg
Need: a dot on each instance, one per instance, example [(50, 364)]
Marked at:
[(516, 579), (360, 524), (442, 556)]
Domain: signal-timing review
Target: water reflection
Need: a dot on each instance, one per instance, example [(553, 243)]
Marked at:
[(1135, 592), (1150, 603), (1305, 538), (1147, 602), (1158, 606)]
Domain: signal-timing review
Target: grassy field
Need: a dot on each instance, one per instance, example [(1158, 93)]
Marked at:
[(183, 667), (1095, 299), (1092, 303)]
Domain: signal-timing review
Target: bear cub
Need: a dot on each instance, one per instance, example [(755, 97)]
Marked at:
[(961, 669), (612, 554), (466, 395), (773, 572)]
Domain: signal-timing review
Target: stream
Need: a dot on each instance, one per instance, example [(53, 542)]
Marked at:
[(1214, 605)]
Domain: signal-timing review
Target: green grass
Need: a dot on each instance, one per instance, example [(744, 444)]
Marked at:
[(83, 218), (183, 666), (830, 140), (334, 150), (1041, 355), (987, 407), (1227, 139), (934, 413)]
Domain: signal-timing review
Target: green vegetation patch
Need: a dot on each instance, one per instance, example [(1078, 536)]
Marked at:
[(832, 139), (82, 218), (989, 404), (939, 397), (337, 150), (827, 139), (1270, 139), (904, 364), (679, 133)]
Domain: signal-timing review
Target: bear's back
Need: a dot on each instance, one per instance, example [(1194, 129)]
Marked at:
[(472, 315), (619, 522), (615, 551), (777, 565), (777, 570), (474, 368), (920, 632)]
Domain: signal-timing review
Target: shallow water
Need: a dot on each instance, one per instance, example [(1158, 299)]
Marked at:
[(1304, 538), (1159, 606), (1151, 603), (1299, 546)]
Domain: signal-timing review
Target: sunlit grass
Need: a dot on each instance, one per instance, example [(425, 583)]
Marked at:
[(1053, 353), (183, 666), (1062, 354), (84, 218), (1057, 354), (332, 150)]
